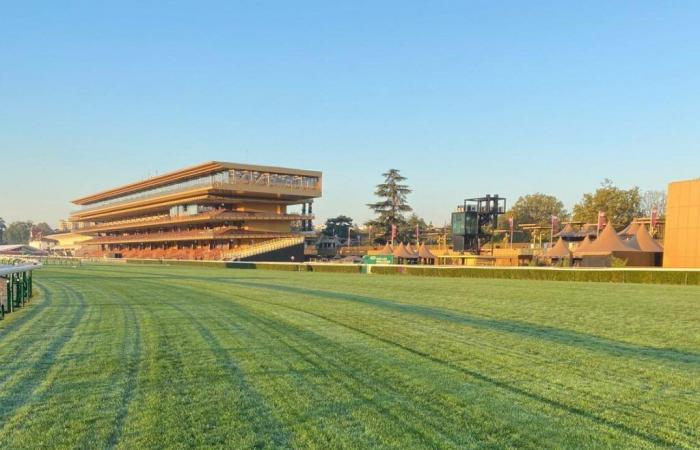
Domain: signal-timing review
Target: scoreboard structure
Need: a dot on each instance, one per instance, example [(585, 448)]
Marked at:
[(474, 221)]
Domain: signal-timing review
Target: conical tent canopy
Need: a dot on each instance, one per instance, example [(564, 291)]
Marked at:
[(608, 242), (386, 250), (410, 249), (402, 252), (560, 250), (643, 241), (424, 253), (630, 230), (584, 245), (566, 231)]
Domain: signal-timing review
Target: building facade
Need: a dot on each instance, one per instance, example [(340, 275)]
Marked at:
[(682, 232), (213, 211)]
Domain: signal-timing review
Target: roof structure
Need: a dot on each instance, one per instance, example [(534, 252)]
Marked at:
[(643, 241), (583, 246), (560, 250), (402, 252), (607, 243), (568, 230), (631, 229), (20, 249), (386, 250), (424, 253)]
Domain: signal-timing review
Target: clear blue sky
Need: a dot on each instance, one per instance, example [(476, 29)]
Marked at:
[(465, 98)]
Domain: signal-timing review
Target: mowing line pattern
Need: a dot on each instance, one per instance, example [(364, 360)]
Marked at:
[(177, 357)]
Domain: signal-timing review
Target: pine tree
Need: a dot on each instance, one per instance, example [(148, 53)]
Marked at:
[(390, 210)]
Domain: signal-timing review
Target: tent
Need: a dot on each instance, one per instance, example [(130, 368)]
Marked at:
[(386, 250), (630, 230), (402, 254), (583, 246), (559, 251), (425, 255), (609, 244), (568, 232), (643, 242)]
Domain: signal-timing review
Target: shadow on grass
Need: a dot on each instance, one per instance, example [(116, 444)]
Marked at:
[(551, 334)]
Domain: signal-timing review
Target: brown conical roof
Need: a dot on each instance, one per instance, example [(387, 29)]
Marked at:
[(560, 250), (424, 253), (583, 246), (630, 230), (386, 250), (644, 242), (410, 249), (567, 230), (608, 242), (402, 252)]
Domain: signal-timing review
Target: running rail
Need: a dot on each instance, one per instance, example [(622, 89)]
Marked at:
[(18, 286)]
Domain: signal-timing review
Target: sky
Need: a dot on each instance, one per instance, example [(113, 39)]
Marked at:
[(465, 98)]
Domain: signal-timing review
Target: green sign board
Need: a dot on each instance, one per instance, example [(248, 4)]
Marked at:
[(378, 259)]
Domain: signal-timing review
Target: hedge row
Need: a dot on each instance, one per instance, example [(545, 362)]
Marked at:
[(328, 268), (604, 275)]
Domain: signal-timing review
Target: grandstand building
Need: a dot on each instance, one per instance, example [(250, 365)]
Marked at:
[(213, 211)]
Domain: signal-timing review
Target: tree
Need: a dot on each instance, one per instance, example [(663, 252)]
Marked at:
[(620, 205), (338, 226), (18, 232), (654, 199), (43, 228), (3, 227), (537, 208), (407, 229), (390, 210)]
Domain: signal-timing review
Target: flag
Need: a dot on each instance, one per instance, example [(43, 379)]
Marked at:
[(393, 232), (601, 220), (555, 224), (417, 233), (510, 224), (654, 218)]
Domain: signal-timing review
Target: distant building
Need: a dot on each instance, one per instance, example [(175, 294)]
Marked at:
[(682, 232), (214, 211)]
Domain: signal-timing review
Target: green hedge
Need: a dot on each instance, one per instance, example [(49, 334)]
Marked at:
[(603, 275)]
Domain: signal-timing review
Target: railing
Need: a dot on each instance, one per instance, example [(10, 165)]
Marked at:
[(264, 247), (18, 286), (231, 185)]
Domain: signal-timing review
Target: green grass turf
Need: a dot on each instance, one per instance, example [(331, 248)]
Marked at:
[(148, 356)]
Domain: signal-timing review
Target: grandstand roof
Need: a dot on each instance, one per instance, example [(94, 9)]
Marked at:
[(184, 174)]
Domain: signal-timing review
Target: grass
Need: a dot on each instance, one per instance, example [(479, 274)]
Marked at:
[(173, 357)]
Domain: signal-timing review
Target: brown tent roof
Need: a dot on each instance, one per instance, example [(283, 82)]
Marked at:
[(560, 250), (583, 246), (402, 252), (424, 253), (567, 230), (386, 250), (630, 230), (644, 242), (410, 248), (608, 242)]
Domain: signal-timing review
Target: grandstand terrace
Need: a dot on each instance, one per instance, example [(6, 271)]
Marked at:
[(211, 211)]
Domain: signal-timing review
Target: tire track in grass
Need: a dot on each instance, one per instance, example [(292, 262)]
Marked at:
[(35, 375), (267, 430), (556, 335), (287, 333), (27, 313), (649, 438), (131, 355)]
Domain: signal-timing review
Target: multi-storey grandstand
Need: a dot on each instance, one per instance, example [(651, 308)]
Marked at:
[(214, 210)]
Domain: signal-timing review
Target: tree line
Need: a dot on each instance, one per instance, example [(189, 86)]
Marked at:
[(20, 232), (393, 211)]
